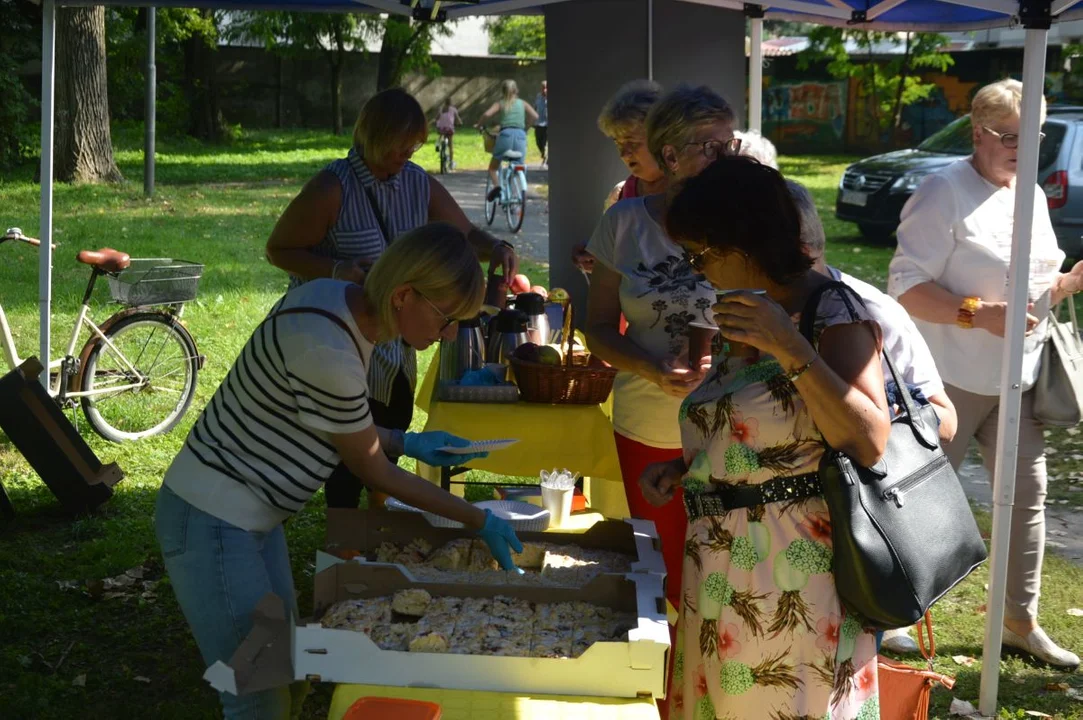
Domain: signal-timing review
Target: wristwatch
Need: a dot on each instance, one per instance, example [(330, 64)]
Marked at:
[(503, 243), (965, 317)]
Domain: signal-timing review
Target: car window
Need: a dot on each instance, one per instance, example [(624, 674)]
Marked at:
[(954, 139), (1050, 147)]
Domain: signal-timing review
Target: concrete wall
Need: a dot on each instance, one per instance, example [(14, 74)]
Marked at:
[(260, 89), (593, 47)]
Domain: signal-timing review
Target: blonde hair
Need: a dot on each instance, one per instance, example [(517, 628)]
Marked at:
[(629, 107), (389, 120), (435, 260), (757, 146), (675, 117), (997, 101), (509, 91)]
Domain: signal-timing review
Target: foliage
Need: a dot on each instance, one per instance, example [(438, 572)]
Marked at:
[(890, 83), (519, 35), (18, 124), (126, 48), (406, 46)]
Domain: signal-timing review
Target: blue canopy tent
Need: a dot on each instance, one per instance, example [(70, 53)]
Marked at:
[(891, 15)]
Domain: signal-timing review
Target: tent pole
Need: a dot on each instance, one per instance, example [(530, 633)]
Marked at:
[(650, 39), (1012, 364), (45, 252), (755, 68), (149, 113)]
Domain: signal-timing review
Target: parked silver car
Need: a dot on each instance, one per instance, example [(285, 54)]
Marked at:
[(873, 191)]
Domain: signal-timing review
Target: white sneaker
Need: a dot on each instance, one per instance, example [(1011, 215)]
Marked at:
[(1038, 645), (899, 642)]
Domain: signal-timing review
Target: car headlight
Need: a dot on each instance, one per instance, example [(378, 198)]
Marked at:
[(908, 182)]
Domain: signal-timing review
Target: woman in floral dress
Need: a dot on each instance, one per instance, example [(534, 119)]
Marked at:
[(762, 633)]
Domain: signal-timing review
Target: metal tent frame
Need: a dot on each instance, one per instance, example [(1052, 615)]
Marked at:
[(892, 15)]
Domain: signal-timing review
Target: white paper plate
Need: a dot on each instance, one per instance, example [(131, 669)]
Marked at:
[(522, 516), (703, 325), (479, 446)]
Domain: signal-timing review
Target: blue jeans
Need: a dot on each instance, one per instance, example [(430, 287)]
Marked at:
[(219, 573)]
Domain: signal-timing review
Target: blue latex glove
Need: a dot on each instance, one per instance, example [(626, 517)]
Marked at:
[(480, 377), (501, 539), (423, 446)]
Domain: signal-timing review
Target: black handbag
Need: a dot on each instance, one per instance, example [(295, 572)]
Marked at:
[(902, 530)]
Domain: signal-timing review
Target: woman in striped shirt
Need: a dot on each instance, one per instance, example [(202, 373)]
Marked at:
[(295, 404), (348, 214)]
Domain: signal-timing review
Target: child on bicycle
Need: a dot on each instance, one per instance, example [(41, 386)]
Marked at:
[(445, 126)]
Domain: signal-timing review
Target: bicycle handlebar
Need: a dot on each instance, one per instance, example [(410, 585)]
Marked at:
[(17, 234)]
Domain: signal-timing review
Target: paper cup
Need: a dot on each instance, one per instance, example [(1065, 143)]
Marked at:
[(700, 338), (558, 503)]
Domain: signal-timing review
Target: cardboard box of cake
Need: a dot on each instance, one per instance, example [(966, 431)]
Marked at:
[(442, 555), (377, 626)]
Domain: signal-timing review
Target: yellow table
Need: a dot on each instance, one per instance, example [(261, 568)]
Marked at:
[(478, 705), (577, 437)]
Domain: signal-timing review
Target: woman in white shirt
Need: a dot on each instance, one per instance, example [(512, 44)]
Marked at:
[(644, 275), (950, 272)]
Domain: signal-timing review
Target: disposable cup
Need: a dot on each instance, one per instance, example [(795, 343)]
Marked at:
[(700, 337), (558, 503)]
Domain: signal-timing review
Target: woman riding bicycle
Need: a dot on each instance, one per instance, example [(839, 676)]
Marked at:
[(515, 116), (445, 126)]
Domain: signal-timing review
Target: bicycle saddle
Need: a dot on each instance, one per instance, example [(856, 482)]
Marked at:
[(512, 155), (105, 259)]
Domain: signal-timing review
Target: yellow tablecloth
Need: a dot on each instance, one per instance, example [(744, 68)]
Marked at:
[(577, 437), (477, 705)]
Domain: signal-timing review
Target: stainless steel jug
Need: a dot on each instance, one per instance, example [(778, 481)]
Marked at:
[(507, 331), (465, 352), (532, 305)]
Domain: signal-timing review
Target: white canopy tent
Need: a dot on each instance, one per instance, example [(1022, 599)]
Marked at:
[(892, 15)]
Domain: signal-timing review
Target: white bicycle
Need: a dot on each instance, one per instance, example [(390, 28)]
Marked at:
[(512, 177), (136, 374)]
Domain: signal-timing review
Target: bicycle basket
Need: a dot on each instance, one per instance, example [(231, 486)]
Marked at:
[(488, 138), (156, 281)]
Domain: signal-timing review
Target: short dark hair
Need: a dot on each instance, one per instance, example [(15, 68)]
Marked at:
[(739, 204)]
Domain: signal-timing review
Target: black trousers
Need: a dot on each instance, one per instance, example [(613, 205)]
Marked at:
[(343, 488), (541, 137)]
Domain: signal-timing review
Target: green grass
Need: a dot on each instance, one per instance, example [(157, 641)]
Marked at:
[(217, 206)]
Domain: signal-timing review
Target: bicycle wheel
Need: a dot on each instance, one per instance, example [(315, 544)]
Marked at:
[(515, 209), (490, 205), (163, 354)]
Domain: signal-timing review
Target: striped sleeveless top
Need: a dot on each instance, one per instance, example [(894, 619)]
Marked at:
[(403, 200)]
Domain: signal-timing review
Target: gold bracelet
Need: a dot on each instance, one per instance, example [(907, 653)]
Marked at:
[(964, 318)]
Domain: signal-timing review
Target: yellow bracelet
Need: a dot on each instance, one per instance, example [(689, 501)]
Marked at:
[(967, 309)]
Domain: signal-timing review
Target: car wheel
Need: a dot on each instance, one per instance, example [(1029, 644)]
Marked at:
[(875, 233)]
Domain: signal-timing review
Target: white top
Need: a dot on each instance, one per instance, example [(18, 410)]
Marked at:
[(956, 231), (262, 446), (902, 341), (659, 296)]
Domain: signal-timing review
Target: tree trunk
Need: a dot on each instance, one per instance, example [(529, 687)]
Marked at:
[(896, 115), (392, 53), (83, 146), (278, 91), (205, 120), (337, 57)]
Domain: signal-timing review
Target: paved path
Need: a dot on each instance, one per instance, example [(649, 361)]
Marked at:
[(1063, 527), (532, 242)]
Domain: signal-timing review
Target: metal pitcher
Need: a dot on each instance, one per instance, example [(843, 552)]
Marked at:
[(532, 305), (507, 331), (465, 352)]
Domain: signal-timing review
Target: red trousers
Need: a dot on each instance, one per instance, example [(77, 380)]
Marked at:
[(669, 520)]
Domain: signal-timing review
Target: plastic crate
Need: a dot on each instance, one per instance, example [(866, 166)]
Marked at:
[(156, 281)]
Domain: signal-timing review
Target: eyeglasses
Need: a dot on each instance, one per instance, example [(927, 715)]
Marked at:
[(628, 146), (713, 149), (697, 260), (1009, 140), (447, 320)]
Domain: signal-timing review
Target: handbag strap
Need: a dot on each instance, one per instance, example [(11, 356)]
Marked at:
[(926, 641), (320, 311), (378, 213), (808, 317), (1071, 314)]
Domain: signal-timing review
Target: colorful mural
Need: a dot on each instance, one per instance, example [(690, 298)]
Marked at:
[(805, 116)]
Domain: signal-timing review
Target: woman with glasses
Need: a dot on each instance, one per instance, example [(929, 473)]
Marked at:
[(640, 273), (950, 272), (762, 632), (294, 405), (349, 214)]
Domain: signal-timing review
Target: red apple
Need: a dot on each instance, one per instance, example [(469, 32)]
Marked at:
[(541, 291), (520, 284)]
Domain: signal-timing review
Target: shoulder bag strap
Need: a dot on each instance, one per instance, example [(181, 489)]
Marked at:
[(329, 315), (377, 212)]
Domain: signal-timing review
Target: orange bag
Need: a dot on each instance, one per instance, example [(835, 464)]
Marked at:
[(905, 691), (382, 708)]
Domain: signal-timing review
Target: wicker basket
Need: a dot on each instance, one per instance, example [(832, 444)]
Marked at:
[(488, 137), (563, 385)]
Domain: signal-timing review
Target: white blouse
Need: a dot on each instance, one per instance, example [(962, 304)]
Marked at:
[(956, 231)]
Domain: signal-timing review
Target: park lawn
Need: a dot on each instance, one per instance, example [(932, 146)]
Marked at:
[(217, 206)]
